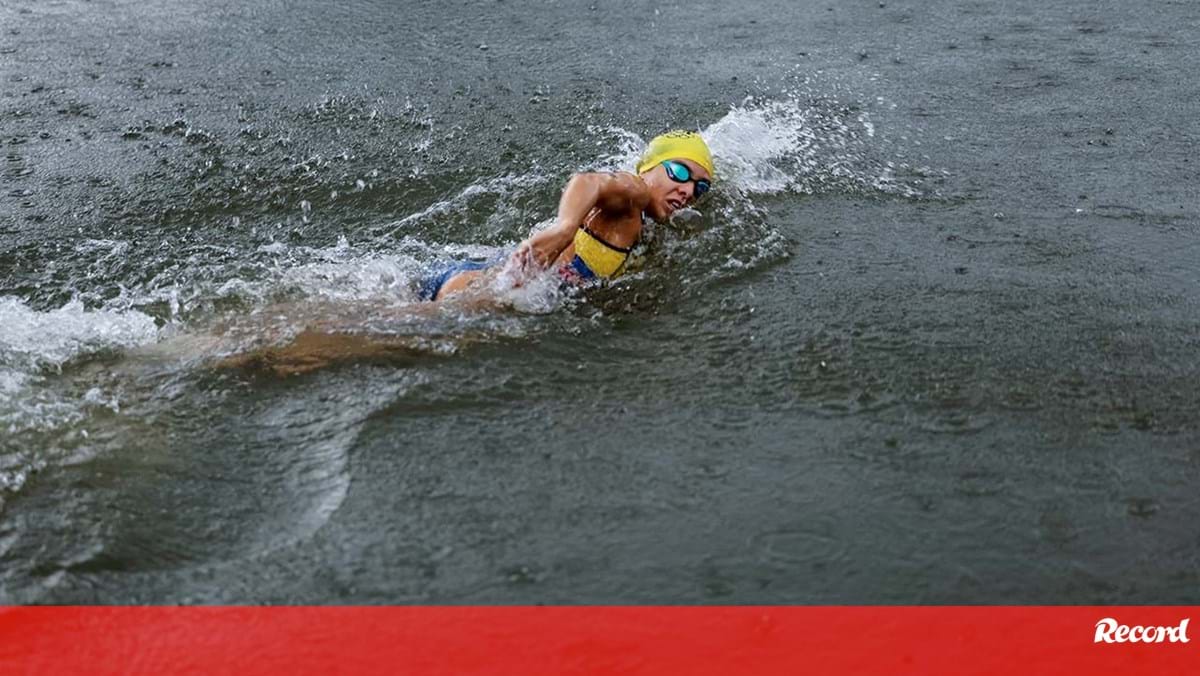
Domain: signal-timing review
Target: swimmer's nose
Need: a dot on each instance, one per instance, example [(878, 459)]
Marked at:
[(689, 191)]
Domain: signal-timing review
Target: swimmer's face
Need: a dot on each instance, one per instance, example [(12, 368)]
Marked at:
[(667, 196)]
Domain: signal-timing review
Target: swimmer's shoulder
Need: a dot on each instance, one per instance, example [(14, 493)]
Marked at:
[(623, 192)]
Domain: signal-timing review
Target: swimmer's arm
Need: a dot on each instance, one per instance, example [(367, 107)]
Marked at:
[(614, 193)]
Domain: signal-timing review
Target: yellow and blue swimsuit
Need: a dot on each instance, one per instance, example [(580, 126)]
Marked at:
[(594, 257)]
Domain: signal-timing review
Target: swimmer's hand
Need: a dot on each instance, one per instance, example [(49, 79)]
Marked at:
[(522, 265)]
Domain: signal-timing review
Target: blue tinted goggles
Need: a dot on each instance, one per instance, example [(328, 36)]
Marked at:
[(679, 172)]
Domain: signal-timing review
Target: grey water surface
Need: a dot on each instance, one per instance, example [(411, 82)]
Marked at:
[(933, 339)]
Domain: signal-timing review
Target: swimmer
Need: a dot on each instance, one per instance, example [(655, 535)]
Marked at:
[(599, 219)]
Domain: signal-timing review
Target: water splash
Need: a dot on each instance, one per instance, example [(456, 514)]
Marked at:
[(32, 341), (797, 142), (34, 346), (769, 147)]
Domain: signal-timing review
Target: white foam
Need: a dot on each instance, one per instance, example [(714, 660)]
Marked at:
[(748, 141), (784, 145), (30, 339), (539, 293), (32, 342), (346, 275)]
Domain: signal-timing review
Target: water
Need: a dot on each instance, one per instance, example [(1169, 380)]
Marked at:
[(932, 339)]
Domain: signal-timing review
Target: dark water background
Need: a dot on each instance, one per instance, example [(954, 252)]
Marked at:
[(933, 340)]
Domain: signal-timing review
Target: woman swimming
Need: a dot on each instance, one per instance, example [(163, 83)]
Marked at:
[(599, 221)]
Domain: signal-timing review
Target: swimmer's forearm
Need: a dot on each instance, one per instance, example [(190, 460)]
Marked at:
[(579, 197)]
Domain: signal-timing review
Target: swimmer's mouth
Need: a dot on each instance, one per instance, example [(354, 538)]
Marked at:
[(675, 205)]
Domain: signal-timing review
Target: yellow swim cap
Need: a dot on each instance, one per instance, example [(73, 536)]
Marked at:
[(677, 145)]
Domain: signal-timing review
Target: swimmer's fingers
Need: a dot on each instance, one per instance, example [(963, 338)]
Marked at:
[(525, 260), (519, 265)]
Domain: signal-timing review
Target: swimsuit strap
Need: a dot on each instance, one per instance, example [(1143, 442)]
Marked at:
[(605, 242)]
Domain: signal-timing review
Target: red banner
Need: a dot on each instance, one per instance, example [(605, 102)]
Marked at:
[(599, 640)]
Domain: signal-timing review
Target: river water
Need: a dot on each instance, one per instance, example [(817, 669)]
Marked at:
[(932, 339)]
